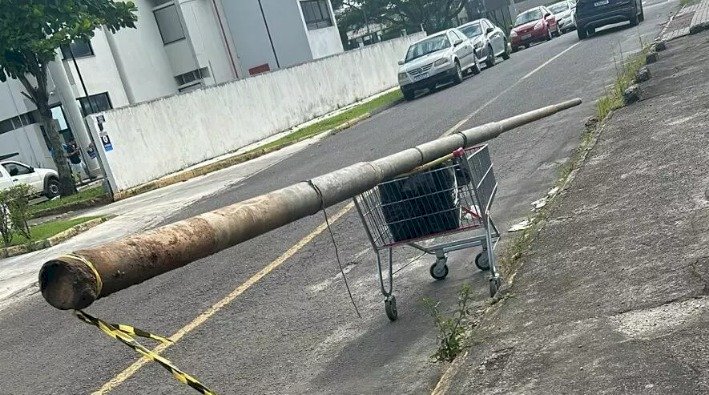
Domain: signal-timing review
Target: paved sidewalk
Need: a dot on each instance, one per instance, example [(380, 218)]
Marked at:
[(613, 296), (18, 275), (688, 20)]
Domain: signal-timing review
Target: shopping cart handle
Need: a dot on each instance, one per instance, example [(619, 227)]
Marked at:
[(458, 153)]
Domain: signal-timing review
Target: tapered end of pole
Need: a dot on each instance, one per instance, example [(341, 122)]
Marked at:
[(67, 284)]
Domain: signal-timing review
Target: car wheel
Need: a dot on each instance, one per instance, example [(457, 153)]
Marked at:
[(581, 31), (634, 20), (52, 189), (506, 53), (458, 77), (476, 66), (490, 61)]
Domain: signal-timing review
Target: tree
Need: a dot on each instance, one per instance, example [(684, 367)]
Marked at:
[(432, 15), (31, 31)]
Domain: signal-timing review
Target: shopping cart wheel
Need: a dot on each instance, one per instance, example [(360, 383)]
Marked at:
[(482, 261), (439, 270), (495, 284), (390, 307)]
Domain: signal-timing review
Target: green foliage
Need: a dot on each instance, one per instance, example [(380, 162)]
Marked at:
[(83, 199), (32, 30), (433, 15), (14, 204), (625, 70), (453, 330), (48, 229)]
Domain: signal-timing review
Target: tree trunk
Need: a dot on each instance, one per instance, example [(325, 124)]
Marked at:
[(66, 180)]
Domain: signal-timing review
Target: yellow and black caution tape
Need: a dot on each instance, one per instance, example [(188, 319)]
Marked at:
[(126, 335)]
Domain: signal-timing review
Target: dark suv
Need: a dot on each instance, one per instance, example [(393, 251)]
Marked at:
[(592, 14)]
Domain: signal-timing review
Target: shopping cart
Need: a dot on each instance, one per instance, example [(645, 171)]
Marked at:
[(443, 207)]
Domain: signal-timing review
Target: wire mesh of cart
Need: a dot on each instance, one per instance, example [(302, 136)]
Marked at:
[(441, 208)]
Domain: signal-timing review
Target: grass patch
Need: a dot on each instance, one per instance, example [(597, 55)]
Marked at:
[(625, 76), (49, 229), (83, 199), (337, 120)]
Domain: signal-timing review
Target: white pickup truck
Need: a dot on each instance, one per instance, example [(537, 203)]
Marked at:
[(42, 181)]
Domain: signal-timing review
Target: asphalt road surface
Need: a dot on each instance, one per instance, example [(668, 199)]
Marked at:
[(292, 329)]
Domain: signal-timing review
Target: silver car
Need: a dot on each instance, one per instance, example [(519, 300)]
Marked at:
[(440, 58), (564, 12), (488, 40)]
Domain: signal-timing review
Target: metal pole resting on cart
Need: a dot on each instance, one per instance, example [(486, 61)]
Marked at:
[(75, 281)]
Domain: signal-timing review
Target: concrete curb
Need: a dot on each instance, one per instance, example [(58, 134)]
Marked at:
[(51, 241), (241, 158)]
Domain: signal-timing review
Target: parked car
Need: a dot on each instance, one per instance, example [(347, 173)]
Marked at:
[(564, 13), (439, 58), (592, 14), (535, 25), (41, 181), (489, 41)]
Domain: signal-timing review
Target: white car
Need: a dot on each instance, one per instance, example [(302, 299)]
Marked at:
[(488, 40), (41, 181), (564, 12), (439, 58)]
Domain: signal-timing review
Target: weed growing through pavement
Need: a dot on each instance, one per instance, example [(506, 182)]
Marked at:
[(625, 70), (452, 330)]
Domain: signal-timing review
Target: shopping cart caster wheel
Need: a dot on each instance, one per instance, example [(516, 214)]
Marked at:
[(495, 284), (439, 270), (482, 261), (390, 308)]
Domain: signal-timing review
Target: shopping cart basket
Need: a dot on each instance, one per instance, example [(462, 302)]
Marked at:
[(444, 207)]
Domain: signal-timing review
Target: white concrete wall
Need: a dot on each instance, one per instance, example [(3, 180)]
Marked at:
[(144, 58), (249, 34), (99, 72), (207, 40), (326, 41), (287, 31), (29, 143), (155, 139)]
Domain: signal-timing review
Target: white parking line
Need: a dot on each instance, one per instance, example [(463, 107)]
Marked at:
[(476, 112), (549, 61)]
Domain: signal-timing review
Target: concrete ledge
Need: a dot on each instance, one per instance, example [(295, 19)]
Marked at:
[(51, 241)]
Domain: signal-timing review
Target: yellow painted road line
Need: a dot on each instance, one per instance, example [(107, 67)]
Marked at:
[(215, 308)]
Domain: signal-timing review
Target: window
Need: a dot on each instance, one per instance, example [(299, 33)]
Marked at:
[(16, 169), (192, 76), (79, 48), (316, 14), (457, 36), (17, 122), (168, 20), (95, 103)]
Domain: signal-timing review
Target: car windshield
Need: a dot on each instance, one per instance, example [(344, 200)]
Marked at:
[(471, 31), (528, 16), (558, 8), (427, 46)]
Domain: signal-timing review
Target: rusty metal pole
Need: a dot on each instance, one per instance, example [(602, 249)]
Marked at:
[(75, 281)]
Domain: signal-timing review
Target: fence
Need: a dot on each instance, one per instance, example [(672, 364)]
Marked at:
[(147, 141)]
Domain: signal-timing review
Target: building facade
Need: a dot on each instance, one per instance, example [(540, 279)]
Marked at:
[(177, 46)]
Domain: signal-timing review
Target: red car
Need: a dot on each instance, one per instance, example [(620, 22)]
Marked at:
[(535, 25)]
